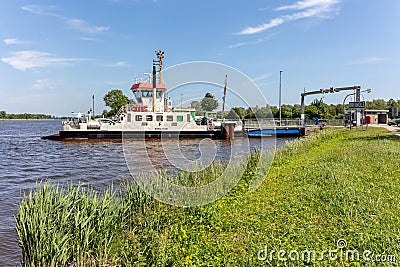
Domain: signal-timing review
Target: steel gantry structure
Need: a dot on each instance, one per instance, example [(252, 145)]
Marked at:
[(355, 88)]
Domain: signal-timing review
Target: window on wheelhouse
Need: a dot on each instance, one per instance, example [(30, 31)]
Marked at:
[(147, 93), (179, 118), (159, 118), (170, 118), (129, 118), (138, 117), (149, 117)]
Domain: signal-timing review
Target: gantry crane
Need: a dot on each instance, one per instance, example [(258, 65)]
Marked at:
[(356, 90)]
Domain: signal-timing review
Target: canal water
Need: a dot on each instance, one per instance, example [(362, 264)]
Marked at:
[(25, 159)]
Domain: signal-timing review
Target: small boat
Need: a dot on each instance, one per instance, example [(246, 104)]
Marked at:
[(292, 131), (152, 116)]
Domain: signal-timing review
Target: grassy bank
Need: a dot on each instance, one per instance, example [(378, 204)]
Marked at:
[(334, 185)]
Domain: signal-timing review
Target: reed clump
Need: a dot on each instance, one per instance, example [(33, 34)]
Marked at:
[(60, 226)]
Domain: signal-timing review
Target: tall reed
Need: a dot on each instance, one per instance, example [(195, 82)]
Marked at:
[(61, 226)]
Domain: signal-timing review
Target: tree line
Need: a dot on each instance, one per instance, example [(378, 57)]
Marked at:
[(24, 116), (317, 109)]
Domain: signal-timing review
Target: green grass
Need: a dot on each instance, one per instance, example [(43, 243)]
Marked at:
[(335, 184)]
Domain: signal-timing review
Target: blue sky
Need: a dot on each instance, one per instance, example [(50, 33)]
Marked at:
[(55, 54)]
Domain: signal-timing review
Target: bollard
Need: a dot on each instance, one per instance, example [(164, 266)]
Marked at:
[(228, 130)]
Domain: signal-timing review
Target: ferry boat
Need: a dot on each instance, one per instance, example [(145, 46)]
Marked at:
[(153, 116)]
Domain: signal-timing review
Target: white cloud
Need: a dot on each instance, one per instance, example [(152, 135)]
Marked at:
[(77, 24), (40, 9), (319, 4), (42, 84), (272, 23), (242, 44), (258, 41), (307, 9), (119, 64), (89, 39), (262, 77), (83, 26), (368, 60), (12, 41), (25, 60)]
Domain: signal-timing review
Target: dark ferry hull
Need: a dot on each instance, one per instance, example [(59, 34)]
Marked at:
[(119, 135)]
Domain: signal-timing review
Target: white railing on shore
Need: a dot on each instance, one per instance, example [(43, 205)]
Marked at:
[(271, 122)]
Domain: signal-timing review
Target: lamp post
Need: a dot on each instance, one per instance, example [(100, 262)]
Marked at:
[(280, 97), (181, 99)]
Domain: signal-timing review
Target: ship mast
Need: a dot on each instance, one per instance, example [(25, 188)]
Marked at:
[(160, 56), (223, 99)]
